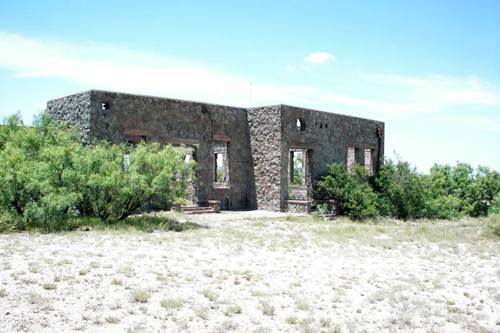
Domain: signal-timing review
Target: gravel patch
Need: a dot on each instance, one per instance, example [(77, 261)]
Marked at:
[(246, 272)]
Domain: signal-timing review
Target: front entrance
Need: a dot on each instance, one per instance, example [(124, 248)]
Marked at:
[(299, 181)]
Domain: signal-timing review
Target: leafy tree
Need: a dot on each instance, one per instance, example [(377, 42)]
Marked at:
[(401, 190), (484, 190)]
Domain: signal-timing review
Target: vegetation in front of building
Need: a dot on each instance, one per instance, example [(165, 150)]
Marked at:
[(49, 179), (399, 191)]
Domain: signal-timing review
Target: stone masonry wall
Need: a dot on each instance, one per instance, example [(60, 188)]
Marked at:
[(265, 139), (135, 117), (73, 110), (327, 135), (258, 139)]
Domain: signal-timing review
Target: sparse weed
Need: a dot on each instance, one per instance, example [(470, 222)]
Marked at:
[(302, 304), (37, 299), (117, 282), (171, 303), (49, 286), (267, 309), (112, 319), (140, 296), (227, 325), (202, 312), (232, 310), (209, 294)]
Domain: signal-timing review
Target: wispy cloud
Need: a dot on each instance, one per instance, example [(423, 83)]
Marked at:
[(108, 67), (317, 58), (440, 90)]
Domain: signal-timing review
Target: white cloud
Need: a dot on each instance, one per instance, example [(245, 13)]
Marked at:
[(107, 67), (317, 58), (439, 90), (435, 101)]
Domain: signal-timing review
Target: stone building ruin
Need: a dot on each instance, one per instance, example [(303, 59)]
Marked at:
[(267, 157)]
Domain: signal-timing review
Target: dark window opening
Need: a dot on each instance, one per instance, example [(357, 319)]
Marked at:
[(301, 124), (105, 106)]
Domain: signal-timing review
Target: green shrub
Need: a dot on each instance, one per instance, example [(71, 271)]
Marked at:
[(7, 222), (443, 207), (401, 190), (351, 191), (48, 177), (484, 190), (495, 205)]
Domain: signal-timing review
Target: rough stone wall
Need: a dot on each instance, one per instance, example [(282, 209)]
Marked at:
[(265, 140), (75, 111), (327, 136), (136, 117), (259, 175)]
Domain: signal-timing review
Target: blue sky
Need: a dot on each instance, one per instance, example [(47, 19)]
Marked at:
[(429, 69)]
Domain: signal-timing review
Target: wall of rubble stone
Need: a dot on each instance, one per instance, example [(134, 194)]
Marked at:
[(265, 140), (327, 135), (73, 110), (131, 118), (258, 139)]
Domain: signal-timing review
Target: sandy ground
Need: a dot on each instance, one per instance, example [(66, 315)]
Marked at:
[(246, 272)]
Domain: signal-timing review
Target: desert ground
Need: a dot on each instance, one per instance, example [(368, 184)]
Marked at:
[(254, 272)]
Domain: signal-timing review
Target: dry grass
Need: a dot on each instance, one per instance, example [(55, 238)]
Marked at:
[(140, 296), (255, 274)]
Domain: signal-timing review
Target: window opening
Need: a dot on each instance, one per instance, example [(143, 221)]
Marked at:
[(221, 170), (369, 161), (301, 124), (297, 166), (351, 158)]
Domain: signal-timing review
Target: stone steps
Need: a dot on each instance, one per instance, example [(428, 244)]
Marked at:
[(192, 210)]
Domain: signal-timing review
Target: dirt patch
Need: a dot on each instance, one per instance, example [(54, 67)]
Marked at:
[(254, 271)]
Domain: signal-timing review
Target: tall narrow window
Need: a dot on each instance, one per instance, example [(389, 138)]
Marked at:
[(351, 158), (297, 167), (369, 161), (221, 171), (188, 157)]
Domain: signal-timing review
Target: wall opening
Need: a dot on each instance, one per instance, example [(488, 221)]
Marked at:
[(301, 124), (351, 158), (105, 106), (297, 171), (298, 174), (221, 169), (369, 161)]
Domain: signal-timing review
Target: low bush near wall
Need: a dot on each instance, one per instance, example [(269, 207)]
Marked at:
[(48, 177), (398, 190), (352, 191)]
